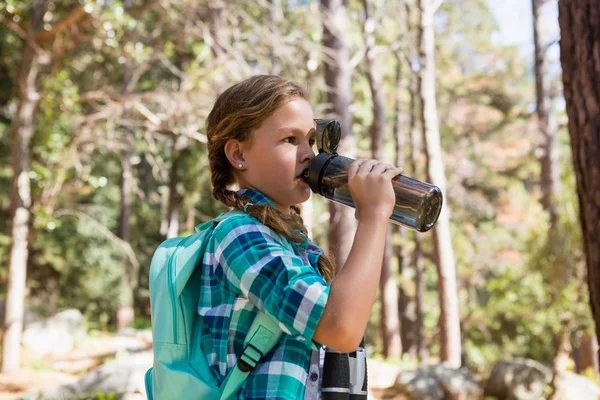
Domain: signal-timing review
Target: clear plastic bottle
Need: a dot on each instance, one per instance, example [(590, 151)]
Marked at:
[(418, 204)]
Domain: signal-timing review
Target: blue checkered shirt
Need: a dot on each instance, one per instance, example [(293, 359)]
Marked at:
[(251, 268)]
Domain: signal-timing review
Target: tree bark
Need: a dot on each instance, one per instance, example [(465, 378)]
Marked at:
[(549, 159), (417, 256), (389, 323), (445, 262), (587, 354), (173, 207), (579, 22), (402, 251), (342, 225), (23, 128), (418, 330), (126, 313)]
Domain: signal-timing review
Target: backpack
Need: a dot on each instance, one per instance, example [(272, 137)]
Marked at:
[(180, 369)]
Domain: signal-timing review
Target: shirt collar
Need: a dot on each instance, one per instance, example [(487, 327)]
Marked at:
[(256, 197)]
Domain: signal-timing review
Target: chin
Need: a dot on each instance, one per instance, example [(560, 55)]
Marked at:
[(305, 197)]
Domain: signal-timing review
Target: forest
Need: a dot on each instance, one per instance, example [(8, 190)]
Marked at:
[(103, 156)]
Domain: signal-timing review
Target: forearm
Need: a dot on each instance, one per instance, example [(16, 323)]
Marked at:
[(353, 291)]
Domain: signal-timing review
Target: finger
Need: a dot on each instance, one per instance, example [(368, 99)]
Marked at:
[(354, 166), (380, 168), (393, 172), (365, 168)]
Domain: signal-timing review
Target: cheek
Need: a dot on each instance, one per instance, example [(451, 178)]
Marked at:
[(282, 163)]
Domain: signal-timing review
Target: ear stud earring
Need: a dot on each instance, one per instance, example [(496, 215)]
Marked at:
[(240, 165)]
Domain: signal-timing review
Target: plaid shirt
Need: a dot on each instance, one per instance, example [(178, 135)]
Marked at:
[(250, 268)]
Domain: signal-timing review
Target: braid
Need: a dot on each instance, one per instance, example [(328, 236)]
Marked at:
[(327, 260), (287, 225)]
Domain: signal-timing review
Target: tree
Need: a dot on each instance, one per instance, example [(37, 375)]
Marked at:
[(579, 22), (389, 322), (337, 80), (550, 181), (417, 258), (31, 69), (549, 158), (445, 262)]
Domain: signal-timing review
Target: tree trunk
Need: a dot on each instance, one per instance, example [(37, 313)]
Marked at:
[(190, 219), (447, 288), (390, 325), (173, 207), (587, 354), (417, 256), (559, 367), (126, 313), (342, 225), (402, 251), (418, 329), (20, 201), (276, 11), (549, 159), (580, 39)]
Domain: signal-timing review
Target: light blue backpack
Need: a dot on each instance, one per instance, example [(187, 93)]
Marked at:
[(180, 369)]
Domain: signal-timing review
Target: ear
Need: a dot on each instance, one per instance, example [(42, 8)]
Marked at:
[(234, 150)]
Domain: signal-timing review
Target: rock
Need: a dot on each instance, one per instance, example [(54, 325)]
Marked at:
[(518, 379), (417, 385), (458, 384), (55, 335), (437, 382), (524, 379), (123, 377)]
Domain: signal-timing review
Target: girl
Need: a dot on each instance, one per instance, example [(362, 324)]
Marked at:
[(260, 139)]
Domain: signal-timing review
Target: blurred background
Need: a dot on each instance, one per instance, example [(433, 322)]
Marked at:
[(103, 156)]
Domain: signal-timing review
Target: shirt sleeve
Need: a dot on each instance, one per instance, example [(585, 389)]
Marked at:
[(258, 266)]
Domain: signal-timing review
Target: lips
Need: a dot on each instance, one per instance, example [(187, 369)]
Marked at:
[(303, 175)]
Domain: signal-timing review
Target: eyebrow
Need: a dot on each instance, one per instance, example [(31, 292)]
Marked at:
[(312, 131)]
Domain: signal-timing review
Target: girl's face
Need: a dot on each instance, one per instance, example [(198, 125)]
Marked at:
[(277, 153)]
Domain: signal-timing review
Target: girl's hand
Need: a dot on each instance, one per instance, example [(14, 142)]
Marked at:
[(370, 185)]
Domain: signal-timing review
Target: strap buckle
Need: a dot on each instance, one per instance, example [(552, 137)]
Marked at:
[(249, 358)]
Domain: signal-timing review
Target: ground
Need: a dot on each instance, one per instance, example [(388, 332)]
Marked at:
[(41, 372)]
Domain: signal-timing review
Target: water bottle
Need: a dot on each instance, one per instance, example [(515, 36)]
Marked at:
[(418, 204)]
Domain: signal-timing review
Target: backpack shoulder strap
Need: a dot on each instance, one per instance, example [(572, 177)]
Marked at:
[(263, 335)]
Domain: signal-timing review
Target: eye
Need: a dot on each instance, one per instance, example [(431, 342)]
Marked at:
[(312, 142), (290, 139)]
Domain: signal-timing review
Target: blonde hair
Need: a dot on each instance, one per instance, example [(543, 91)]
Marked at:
[(236, 113)]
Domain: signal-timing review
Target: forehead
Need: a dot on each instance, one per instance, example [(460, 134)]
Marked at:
[(296, 113)]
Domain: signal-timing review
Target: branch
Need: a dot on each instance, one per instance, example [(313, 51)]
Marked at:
[(126, 247), (156, 121), (149, 115), (72, 18), (23, 35)]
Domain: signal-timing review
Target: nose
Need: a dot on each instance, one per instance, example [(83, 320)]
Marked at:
[(306, 153)]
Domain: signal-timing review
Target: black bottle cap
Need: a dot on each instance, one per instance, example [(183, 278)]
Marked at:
[(314, 174)]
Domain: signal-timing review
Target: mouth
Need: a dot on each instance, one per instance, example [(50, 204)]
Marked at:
[(303, 176)]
